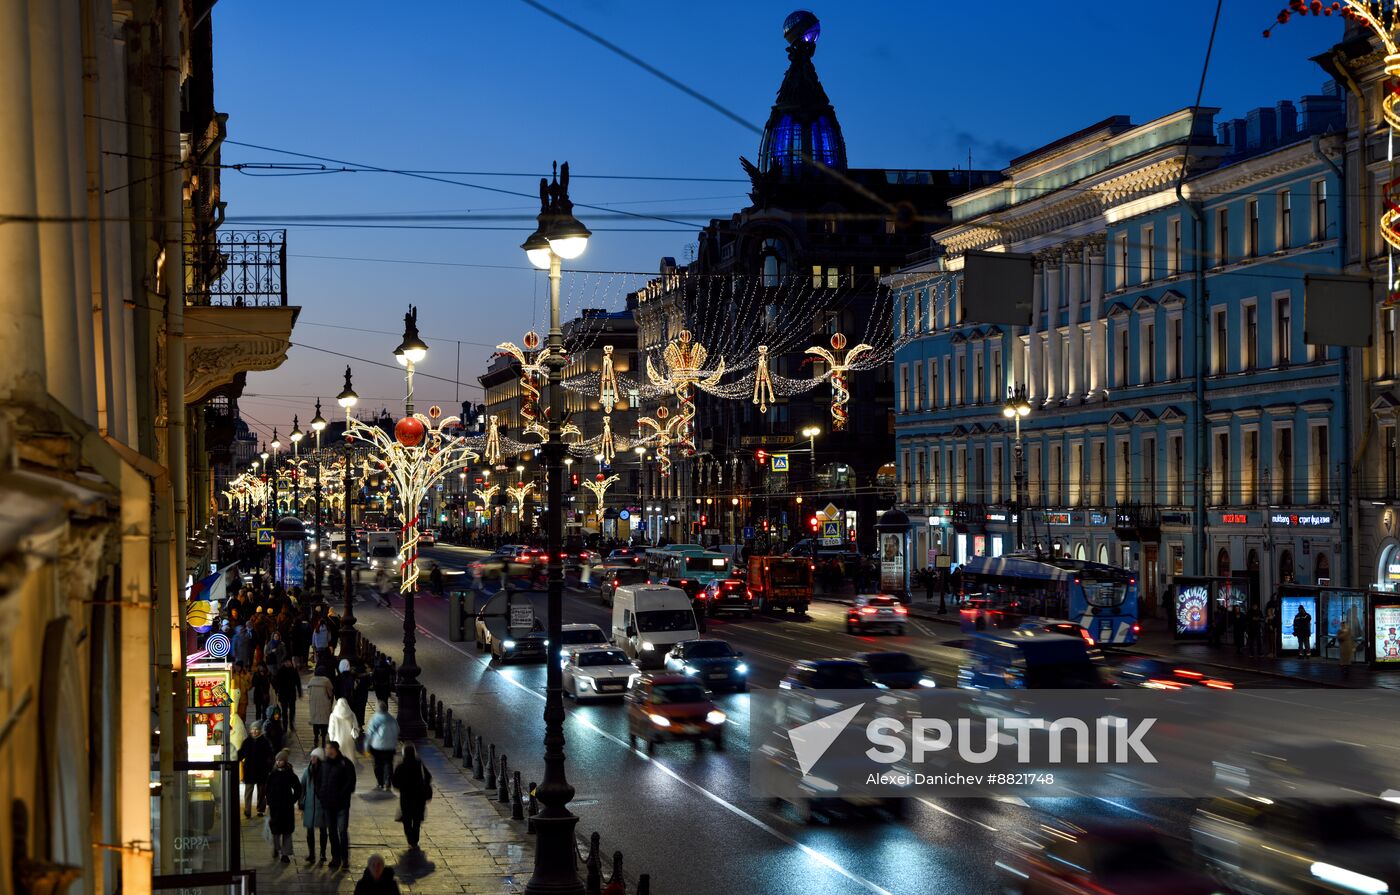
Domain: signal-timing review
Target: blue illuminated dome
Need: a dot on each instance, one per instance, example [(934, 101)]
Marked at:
[(802, 126)]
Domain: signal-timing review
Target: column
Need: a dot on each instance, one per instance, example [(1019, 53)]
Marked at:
[(1033, 390), (21, 302), (76, 88), (1097, 332), (1054, 388), (1074, 285)]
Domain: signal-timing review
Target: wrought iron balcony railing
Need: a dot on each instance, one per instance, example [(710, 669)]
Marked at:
[(237, 268)]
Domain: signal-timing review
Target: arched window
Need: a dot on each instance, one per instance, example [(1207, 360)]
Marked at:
[(1322, 569), (1222, 563), (1103, 554), (774, 260), (1285, 567), (1079, 552)]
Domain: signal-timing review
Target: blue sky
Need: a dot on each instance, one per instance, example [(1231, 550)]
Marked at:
[(496, 86)]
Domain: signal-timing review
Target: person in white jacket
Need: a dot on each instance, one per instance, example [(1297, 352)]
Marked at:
[(382, 739), (343, 728)]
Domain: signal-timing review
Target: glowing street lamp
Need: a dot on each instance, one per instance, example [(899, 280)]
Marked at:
[(1017, 408)]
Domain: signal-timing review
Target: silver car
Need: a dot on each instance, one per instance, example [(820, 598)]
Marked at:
[(598, 674)]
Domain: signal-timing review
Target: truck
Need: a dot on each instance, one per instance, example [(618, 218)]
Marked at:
[(780, 582), (382, 551)]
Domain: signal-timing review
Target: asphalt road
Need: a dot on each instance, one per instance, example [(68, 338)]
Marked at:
[(686, 815)]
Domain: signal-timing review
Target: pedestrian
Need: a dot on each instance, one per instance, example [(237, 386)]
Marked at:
[(381, 586), (287, 682), (359, 699), (261, 685), (274, 730), (301, 640), (383, 679), (320, 697), (415, 785), (242, 645), (342, 727), (382, 738), (1346, 647), (1272, 629), (313, 813), (335, 788), (1254, 631), (283, 793), (320, 639), (345, 681), (435, 579), (255, 757), (276, 649), (378, 879), (1237, 628), (1302, 630)]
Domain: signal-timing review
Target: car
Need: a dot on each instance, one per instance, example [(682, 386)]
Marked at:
[(712, 662), (627, 554), (728, 595), (531, 646), (427, 538), (611, 577), (672, 707), (649, 619), (572, 637), (1100, 858), (1060, 626), (827, 674), (1164, 674), (895, 671), (1032, 660), (592, 673), (868, 611)]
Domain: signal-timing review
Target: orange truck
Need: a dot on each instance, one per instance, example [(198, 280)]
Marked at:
[(780, 582)]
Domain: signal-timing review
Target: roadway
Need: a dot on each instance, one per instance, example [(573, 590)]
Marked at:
[(686, 815)]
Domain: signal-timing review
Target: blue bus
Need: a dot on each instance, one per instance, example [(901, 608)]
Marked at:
[(1002, 591)]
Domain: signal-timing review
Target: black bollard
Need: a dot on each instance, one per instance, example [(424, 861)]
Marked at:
[(457, 740), (478, 770), (517, 806), (532, 809), (438, 712), (423, 703), (491, 769), (467, 748), (503, 792), (447, 731), (644, 884), (593, 881), (616, 884)]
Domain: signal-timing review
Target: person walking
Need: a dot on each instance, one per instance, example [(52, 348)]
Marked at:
[(1254, 632), (321, 641), (378, 879), (345, 681), (1302, 630), (287, 683), (1346, 646), (255, 757), (320, 698), (382, 738), (283, 793), (383, 679), (313, 814), (1237, 628), (335, 787), (1272, 629), (275, 650), (261, 685), (415, 785), (274, 730), (342, 727)]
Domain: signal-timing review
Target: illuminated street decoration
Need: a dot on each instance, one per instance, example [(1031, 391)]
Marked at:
[(606, 446), (420, 453), (493, 440), (600, 488), (763, 382), (518, 493), (685, 359), (837, 366), (666, 427), (485, 495), (607, 382), (532, 370)]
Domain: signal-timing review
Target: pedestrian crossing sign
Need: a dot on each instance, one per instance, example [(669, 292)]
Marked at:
[(780, 462), (831, 530), (264, 537)]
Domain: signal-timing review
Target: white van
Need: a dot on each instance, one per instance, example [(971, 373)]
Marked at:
[(382, 549), (648, 619)]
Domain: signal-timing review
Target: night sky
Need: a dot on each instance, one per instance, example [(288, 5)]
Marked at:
[(499, 87)]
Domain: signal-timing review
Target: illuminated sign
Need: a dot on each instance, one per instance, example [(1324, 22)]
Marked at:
[(1059, 518), (1234, 518), (1301, 519), (1098, 518), (996, 517), (780, 462), (1385, 629), (1192, 610)]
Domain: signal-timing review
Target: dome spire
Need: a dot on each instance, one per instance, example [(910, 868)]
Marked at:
[(802, 125)]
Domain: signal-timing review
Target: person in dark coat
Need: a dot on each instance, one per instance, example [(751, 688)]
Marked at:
[(287, 682), (283, 793), (414, 783), (359, 699), (383, 679), (1254, 623), (273, 729), (1237, 628), (261, 686), (301, 640), (378, 879), (255, 756), (313, 813), (345, 681), (336, 786), (1302, 629)]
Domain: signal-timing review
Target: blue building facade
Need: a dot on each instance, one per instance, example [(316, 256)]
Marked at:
[(1178, 422)]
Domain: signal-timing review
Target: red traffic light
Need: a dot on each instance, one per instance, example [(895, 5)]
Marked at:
[(815, 523), (761, 456)]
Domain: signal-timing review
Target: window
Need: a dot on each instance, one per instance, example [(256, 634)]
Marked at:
[(829, 225), (918, 477), (1283, 332), (948, 383), (1174, 247), (1063, 387), (1220, 359), (1388, 458), (1387, 352), (1076, 474), (964, 473), (932, 384), (1319, 213), (1149, 469), (1149, 352), (1100, 473), (1251, 233), (1121, 260), (903, 386), (889, 226), (1222, 237), (977, 376), (962, 377), (1176, 481), (979, 472), (918, 392), (1283, 465), (1120, 364), (833, 278), (998, 480), (998, 386), (1251, 336), (1056, 475), (816, 276), (1249, 470), (935, 485), (1285, 219), (1035, 486), (1320, 469), (1221, 468), (907, 480), (1122, 473), (1148, 257), (1175, 366), (875, 271)]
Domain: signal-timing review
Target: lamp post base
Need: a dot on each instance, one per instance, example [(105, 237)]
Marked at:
[(556, 857), (411, 724)]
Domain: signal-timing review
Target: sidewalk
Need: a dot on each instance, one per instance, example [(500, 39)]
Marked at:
[(467, 846)]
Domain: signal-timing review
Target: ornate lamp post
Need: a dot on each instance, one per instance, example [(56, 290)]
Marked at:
[(296, 436), (347, 399), (318, 425), (1017, 408), (266, 469), (276, 467), (559, 237)]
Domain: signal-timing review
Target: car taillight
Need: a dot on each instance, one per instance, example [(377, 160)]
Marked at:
[(812, 567), (1219, 685), (1088, 638), (867, 610), (1137, 629), (1161, 684), (1194, 675), (901, 610)]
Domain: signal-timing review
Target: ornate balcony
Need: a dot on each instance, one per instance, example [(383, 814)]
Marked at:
[(1136, 521), (237, 318)]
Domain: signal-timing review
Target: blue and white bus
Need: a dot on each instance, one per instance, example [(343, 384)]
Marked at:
[(1002, 591)]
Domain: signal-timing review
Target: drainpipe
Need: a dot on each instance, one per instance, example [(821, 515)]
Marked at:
[(1198, 231), (1346, 513)]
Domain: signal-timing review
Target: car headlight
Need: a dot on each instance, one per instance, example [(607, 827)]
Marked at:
[(1349, 879), (715, 717), (586, 683), (690, 669), (648, 646), (632, 680), (741, 668), (508, 644), (660, 720), (927, 682)]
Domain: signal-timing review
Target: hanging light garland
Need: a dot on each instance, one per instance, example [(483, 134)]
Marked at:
[(685, 369)]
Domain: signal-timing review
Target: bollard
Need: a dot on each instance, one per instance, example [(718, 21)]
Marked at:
[(447, 731), (616, 885), (423, 703), (644, 884), (531, 810), (438, 712), (503, 794), (491, 769), (593, 881), (478, 771), (517, 807), (467, 749), (457, 742)]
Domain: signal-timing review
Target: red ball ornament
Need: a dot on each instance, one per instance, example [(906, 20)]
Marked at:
[(838, 341), (598, 477), (409, 431)]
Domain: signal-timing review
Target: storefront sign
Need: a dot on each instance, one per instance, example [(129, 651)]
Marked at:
[(1098, 518), (996, 516), (1386, 632), (1192, 610), (1059, 518), (1234, 518), (1301, 520)]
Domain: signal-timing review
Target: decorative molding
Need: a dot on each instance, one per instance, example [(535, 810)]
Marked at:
[(221, 342)]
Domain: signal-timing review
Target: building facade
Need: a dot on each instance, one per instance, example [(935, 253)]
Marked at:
[(1178, 422)]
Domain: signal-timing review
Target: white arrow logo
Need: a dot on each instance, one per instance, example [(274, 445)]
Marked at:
[(811, 740)]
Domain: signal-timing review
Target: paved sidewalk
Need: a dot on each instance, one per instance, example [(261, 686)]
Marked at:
[(467, 846)]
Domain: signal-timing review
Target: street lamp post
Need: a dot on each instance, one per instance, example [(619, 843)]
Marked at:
[(411, 351), (558, 237), (276, 446), (263, 455), (1017, 408), (347, 399), (296, 437), (318, 425)]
